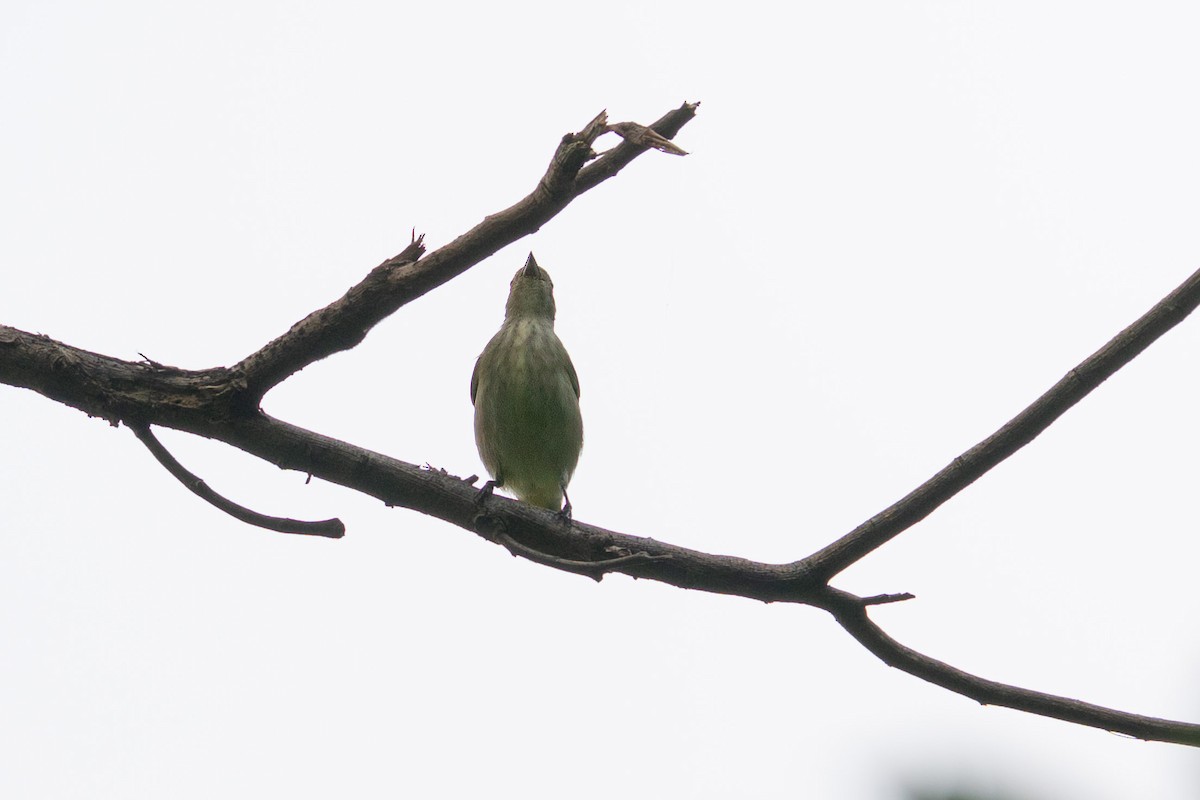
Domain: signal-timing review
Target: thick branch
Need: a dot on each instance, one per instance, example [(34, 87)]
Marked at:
[(406, 276), (441, 495), (222, 404), (851, 613), (563, 546), (112, 389), (1018, 432)]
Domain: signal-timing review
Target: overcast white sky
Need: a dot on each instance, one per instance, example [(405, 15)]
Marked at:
[(900, 223)]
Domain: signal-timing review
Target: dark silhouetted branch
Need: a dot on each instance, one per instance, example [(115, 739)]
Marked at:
[(596, 570), (329, 528), (884, 599), (407, 276), (615, 160), (1018, 432), (222, 404), (851, 613)]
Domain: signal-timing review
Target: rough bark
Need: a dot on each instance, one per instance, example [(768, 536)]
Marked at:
[(222, 403)]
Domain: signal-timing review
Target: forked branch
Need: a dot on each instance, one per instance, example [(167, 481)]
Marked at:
[(407, 276), (850, 612), (222, 404)]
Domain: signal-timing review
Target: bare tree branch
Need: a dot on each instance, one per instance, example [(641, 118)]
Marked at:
[(851, 613), (79, 379), (329, 528), (221, 404), (645, 137), (1018, 432), (405, 277), (884, 599), (112, 389), (596, 570)]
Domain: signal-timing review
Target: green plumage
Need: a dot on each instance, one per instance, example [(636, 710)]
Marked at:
[(526, 395)]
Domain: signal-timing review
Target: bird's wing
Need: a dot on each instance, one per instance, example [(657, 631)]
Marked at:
[(571, 374), (475, 380)]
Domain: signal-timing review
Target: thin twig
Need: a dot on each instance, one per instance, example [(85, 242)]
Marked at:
[(1018, 432), (851, 614), (595, 570), (329, 528), (884, 599), (614, 160), (645, 137)]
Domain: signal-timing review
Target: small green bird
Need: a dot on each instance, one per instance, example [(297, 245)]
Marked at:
[(526, 394)]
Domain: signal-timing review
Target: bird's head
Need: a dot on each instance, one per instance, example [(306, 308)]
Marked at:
[(531, 293)]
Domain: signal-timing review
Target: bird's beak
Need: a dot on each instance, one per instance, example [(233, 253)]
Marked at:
[(532, 270)]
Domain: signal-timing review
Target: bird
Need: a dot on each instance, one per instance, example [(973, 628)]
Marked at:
[(528, 427)]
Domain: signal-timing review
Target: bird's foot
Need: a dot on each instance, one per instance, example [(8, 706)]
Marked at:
[(565, 513), (485, 492)]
